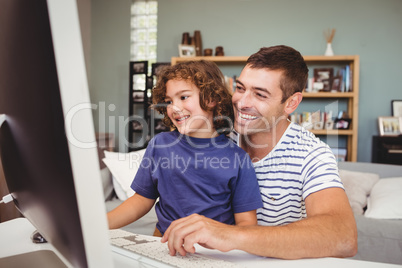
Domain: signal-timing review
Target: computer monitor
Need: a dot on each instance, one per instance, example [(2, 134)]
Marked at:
[(47, 141)]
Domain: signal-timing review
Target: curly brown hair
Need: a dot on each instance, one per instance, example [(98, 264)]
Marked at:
[(208, 78)]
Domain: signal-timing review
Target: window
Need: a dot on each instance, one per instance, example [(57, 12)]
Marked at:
[(144, 18)]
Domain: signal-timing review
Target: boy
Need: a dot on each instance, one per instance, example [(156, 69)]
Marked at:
[(195, 169)]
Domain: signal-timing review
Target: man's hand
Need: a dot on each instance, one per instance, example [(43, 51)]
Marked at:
[(330, 230), (182, 234)]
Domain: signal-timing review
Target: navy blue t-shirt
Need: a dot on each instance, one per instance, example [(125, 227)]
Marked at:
[(211, 177)]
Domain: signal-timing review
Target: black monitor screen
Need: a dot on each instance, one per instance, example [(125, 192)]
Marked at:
[(35, 151)]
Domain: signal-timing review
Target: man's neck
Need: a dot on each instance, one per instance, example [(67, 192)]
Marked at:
[(260, 144)]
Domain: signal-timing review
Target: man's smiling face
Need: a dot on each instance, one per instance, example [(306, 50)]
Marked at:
[(257, 100)]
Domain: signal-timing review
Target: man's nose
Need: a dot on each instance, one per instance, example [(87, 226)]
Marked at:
[(244, 100)]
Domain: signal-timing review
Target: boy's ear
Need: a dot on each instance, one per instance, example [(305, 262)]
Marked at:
[(292, 102), (211, 104)]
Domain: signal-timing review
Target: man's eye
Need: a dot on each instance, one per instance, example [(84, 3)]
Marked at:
[(238, 88), (261, 95)]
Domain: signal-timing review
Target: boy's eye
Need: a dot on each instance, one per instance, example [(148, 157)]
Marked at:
[(183, 97), (168, 102)]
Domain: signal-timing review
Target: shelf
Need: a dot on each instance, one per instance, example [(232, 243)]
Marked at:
[(337, 58), (243, 59), (328, 95), (339, 132), (218, 59)]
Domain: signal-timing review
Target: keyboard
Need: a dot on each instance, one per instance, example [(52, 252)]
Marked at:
[(150, 250)]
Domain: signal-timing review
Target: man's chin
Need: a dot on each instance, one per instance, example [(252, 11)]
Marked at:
[(243, 129), (249, 129)]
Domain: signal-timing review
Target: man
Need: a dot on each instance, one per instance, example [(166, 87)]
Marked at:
[(306, 212)]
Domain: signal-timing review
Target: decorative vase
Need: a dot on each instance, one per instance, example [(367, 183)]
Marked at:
[(208, 52), (198, 43), (186, 39), (329, 51), (219, 51)]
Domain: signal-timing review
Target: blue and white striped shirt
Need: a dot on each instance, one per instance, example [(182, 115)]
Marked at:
[(299, 165)]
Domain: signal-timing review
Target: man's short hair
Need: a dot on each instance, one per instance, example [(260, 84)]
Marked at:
[(286, 59)]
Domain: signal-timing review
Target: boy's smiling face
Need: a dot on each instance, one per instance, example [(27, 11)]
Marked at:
[(183, 99)]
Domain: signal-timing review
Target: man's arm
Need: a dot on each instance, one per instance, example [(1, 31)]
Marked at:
[(129, 211), (246, 218), (328, 230)]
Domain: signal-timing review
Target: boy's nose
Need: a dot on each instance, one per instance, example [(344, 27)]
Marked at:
[(176, 108)]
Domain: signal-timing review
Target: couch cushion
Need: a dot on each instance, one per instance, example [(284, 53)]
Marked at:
[(107, 183), (385, 201), (358, 186), (124, 167), (379, 240)]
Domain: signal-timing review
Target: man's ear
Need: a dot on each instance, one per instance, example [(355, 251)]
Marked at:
[(292, 102)]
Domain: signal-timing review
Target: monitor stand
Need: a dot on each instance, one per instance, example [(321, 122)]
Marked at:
[(37, 238)]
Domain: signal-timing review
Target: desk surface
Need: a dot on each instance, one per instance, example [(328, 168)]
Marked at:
[(15, 239)]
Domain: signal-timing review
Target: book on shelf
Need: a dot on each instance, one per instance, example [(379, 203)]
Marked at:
[(339, 81), (340, 154), (347, 79), (230, 83), (313, 120)]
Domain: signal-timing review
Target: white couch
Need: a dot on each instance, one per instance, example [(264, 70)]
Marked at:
[(379, 230)]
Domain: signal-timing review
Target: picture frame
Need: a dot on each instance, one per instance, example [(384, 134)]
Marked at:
[(186, 50), (396, 108), (324, 75), (139, 67), (390, 125), (150, 82), (342, 123), (138, 96), (160, 126), (137, 126), (158, 66)]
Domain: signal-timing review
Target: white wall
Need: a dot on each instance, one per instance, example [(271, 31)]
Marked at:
[(110, 56)]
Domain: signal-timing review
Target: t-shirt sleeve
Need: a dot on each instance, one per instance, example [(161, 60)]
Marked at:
[(320, 171), (246, 192), (143, 182)]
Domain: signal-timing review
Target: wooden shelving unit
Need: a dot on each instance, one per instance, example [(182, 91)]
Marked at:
[(217, 59), (144, 123), (352, 98)]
